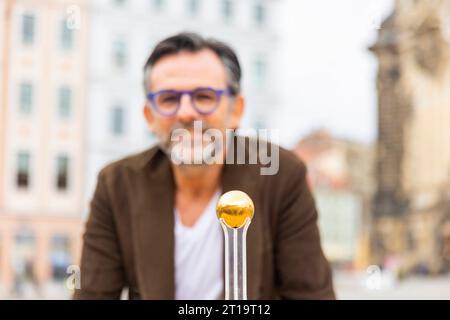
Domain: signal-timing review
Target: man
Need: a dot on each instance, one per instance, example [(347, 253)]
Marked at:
[(152, 226)]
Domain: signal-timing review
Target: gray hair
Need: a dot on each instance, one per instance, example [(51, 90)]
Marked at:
[(192, 42)]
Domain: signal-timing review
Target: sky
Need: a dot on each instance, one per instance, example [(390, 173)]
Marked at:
[(327, 73)]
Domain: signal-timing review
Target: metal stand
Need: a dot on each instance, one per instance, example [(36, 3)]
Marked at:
[(235, 261)]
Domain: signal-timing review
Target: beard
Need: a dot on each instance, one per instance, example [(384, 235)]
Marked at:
[(194, 144)]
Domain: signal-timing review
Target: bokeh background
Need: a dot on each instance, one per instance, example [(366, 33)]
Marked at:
[(360, 90)]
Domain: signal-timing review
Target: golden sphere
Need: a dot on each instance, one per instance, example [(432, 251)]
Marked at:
[(234, 207)]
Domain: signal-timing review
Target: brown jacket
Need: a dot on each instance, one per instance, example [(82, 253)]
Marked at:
[(129, 236)]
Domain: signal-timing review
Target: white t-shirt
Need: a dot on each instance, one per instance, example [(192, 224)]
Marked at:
[(199, 256)]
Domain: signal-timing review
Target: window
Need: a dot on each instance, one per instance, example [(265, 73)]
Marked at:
[(117, 120), (24, 251), (193, 7), (119, 53), (227, 10), (119, 2), (23, 170), (64, 102), (60, 257), (158, 4), (25, 237), (28, 28), (260, 13), (66, 36), (26, 97), (62, 174), (259, 123), (260, 72)]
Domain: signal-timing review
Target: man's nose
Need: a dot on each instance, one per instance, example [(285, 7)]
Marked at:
[(186, 113)]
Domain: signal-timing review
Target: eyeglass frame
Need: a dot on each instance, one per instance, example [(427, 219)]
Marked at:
[(151, 96)]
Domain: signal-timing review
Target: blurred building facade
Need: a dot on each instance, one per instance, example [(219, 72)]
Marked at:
[(412, 201), (42, 151), (72, 97), (123, 34), (340, 174)]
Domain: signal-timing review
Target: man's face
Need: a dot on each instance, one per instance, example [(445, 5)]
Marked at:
[(189, 71)]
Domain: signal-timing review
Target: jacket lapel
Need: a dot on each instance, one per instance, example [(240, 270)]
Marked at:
[(153, 228)]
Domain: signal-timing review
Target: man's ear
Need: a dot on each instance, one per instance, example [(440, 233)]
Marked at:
[(238, 111), (149, 118)]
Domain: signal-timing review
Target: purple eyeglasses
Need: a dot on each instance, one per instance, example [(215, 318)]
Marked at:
[(205, 100)]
